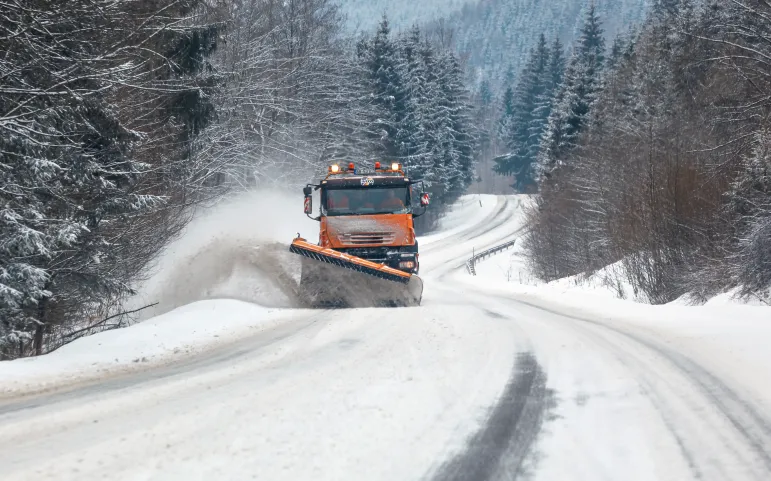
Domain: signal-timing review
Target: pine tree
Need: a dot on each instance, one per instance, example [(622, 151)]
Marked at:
[(515, 138), (556, 64), (616, 52), (446, 161), (578, 92), (485, 93), (410, 133), (507, 113), (461, 126), (433, 119), (525, 126), (380, 58), (544, 103), (424, 108)]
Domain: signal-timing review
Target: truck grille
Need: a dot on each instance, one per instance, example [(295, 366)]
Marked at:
[(369, 238)]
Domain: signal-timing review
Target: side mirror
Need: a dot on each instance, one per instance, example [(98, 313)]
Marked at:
[(307, 191), (308, 204), (425, 199)]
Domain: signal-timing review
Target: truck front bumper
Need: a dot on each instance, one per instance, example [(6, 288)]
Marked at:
[(404, 258)]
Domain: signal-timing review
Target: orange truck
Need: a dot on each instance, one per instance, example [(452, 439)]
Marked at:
[(367, 254)]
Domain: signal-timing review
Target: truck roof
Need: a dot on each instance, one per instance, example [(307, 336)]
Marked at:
[(364, 180)]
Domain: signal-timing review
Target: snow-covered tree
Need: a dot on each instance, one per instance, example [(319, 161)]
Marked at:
[(544, 102), (578, 92), (507, 114), (76, 109), (295, 97), (380, 56), (414, 129), (750, 199), (531, 105), (424, 109), (669, 174), (460, 143)]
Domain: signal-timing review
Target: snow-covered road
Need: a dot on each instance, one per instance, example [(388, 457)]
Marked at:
[(476, 384)]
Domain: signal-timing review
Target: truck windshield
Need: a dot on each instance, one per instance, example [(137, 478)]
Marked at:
[(371, 200)]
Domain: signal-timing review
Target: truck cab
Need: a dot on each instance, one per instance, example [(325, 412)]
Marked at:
[(369, 214)]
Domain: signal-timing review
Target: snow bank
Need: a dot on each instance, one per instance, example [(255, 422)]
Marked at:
[(595, 300), (606, 283), (184, 331)]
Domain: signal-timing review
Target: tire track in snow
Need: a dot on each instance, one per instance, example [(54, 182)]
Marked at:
[(749, 425), (503, 213), (501, 446), (748, 422), (213, 358)]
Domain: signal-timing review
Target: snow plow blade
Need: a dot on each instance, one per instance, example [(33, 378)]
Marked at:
[(333, 279)]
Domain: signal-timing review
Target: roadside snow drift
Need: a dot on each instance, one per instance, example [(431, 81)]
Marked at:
[(188, 330)]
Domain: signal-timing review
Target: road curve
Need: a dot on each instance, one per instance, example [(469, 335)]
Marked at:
[(469, 386)]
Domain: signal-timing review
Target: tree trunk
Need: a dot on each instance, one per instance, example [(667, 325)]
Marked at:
[(40, 330)]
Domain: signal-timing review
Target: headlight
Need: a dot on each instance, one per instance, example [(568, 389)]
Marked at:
[(407, 265)]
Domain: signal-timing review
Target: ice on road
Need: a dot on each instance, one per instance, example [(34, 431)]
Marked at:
[(482, 382)]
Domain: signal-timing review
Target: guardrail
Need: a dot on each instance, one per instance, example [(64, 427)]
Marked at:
[(471, 263)]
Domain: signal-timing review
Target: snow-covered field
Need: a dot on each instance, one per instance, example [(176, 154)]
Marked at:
[(493, 377)]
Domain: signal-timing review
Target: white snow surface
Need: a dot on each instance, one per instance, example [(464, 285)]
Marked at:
[(619, 389), (186, 330), (723, 342)]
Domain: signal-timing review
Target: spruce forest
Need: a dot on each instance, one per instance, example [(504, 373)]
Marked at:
[(649, 150), (119, 118)]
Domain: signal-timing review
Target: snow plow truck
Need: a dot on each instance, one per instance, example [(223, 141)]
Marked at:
[(367, 253)]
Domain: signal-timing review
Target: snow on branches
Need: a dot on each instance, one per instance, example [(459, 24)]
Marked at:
[(422, 112), (94, 94)]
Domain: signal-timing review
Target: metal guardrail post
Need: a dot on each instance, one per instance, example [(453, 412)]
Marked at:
[(471, 263)]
